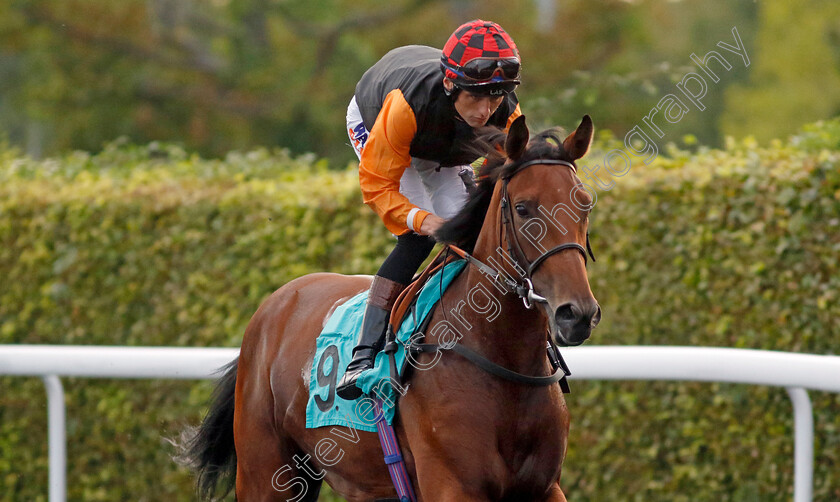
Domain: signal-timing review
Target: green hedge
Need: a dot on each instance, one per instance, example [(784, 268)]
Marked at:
[(733, 248), (150, 246), (153, 246)]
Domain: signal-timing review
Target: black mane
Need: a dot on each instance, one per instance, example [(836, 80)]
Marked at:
[(463, 229)]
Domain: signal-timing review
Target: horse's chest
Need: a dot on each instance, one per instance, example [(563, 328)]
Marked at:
[(518, 462), (504, 446), (532, 458)]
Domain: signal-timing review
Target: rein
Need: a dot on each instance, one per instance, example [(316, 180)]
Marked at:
[(561, 371)]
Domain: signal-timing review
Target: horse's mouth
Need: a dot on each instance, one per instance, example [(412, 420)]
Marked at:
[(575, 336)]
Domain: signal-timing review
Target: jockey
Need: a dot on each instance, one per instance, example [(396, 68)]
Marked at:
[(411, 123)]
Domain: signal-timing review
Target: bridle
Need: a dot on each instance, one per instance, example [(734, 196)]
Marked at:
[(525, 288), (515, 248)]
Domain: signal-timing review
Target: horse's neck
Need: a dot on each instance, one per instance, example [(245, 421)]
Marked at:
[(498, 325)]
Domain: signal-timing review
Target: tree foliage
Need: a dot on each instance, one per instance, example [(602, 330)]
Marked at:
[(794, 78), (237, 74)]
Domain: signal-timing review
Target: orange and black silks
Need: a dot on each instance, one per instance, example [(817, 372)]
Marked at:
[(403, 104)]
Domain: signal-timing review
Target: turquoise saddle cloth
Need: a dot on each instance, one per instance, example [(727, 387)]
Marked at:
[(334, 350)]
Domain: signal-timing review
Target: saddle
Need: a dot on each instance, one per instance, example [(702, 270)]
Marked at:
[(409, 295)]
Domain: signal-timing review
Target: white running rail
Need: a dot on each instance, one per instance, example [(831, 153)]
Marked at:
[(795, 372)]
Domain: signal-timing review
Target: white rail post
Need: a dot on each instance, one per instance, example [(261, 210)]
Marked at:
[(57, 435), (696, 364), (803, 444)]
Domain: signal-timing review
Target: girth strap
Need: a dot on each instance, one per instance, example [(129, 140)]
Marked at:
[(393, 457)]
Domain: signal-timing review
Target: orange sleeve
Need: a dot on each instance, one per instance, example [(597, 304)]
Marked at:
[(516, 113), (384, 159)]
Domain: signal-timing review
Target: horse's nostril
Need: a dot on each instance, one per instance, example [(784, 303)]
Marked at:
[(566, 313), (597, 317)]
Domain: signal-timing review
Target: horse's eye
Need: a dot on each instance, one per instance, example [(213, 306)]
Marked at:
[(521, 210)]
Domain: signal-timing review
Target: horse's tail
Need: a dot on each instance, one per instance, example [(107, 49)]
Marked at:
[(208, 449)]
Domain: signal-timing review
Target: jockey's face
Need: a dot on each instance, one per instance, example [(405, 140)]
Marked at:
[(475, 109)]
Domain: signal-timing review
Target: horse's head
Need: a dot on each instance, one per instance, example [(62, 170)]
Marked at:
[(535, 219), (545, 211)]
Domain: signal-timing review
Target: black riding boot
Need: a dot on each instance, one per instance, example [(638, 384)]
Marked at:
[(383, 294)]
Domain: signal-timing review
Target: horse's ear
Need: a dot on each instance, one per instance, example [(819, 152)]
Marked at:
[(577, 144), (517, 138)]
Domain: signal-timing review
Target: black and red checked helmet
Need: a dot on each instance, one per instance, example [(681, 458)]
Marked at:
[(481, 58)]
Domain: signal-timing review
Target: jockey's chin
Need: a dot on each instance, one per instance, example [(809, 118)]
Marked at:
[(477, 122)]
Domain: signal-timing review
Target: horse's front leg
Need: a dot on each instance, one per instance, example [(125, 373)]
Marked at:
[(437, 483), (455, 493), (449, 494), (555, 494)]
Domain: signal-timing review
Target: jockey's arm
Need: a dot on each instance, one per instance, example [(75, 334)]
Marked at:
[(385, 158), (431, 224)]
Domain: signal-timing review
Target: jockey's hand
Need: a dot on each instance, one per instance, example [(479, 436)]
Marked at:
[(431, 224)]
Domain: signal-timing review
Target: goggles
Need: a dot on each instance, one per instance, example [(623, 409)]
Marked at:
[(488, 68), (481, 69)]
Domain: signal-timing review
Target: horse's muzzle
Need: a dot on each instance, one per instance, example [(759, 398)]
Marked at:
[(573, 322)]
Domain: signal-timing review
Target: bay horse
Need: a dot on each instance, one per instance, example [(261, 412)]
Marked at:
[(465, 435)]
